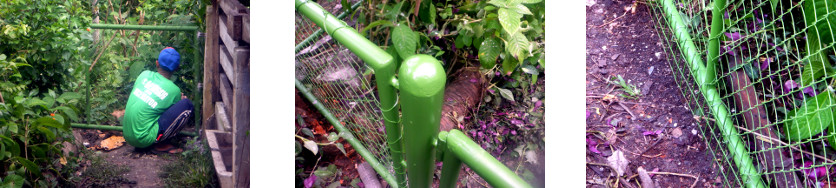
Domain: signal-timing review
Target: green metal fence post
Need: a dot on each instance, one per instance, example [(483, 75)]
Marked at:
[(451, 166), (714, 41), (145, 27), (479, 160), (421, 81)]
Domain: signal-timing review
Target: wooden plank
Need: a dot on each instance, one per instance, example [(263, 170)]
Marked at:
[(245, 32), (226, 63), (224, 175), (226, 91), (226, 38), (233, 12), (241, 122), (221, 117), (210, 63)]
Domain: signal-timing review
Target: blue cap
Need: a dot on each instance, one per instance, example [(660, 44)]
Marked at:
[(169, 59)]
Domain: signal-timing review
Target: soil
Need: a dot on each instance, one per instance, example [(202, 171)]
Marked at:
[(144, 165), (624, 43)]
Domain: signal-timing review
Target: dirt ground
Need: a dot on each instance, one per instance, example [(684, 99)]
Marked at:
[(654, 131)]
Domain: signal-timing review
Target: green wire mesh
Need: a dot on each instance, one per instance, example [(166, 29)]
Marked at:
[(342, 83), (765, 48)]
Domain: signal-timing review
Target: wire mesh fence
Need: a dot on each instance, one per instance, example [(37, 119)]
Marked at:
[(342, 83), (773, 75)]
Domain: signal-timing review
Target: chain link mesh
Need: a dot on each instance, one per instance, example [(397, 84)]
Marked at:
[(764, 50)]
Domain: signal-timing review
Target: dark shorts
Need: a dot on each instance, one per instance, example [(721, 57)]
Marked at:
[(174, 119)]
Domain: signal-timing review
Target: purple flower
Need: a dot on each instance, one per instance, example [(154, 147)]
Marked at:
[(513, 132), (789, 85), (309, 181), (657, 132), (587, 112), (592, 145), (517, 122), (765, 63), (734, 36), (540, 103), (809, 90), (814, 172)]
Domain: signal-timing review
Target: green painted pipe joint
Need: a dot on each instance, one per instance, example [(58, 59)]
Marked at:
[(421, 80), (465, 150)]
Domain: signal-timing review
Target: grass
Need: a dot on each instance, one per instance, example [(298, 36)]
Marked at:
[(631, 90), (192, 168), (100, 173)]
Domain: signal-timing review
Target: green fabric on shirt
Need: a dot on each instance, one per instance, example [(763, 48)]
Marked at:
[(151, 95)]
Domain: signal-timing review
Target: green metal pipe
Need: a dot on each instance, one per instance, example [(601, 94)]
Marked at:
[(318, 32), (451, 166), (145, 27), (479, 160), (714, 40), (381, 62), (115, 128), (734, 142), (346, 134), (421, 80)]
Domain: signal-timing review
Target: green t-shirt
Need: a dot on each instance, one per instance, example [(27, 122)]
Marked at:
[(152, 94)]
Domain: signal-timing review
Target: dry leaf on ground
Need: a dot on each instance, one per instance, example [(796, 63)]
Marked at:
[(118, 113), (618, 162), (112, 143)]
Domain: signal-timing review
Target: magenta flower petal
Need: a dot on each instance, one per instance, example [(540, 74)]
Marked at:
[(592, 145), (809, 90), (789, 85), (310, 181)]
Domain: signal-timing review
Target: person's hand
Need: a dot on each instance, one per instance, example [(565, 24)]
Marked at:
[(183, 96)]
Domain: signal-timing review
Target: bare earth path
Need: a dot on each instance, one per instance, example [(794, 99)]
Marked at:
[(655, 131)]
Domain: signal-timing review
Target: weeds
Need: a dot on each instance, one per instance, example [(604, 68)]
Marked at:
[(100, 173), (631, 90), (193, 168)]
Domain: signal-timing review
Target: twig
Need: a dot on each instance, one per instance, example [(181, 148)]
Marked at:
[(760, 136), (696, 178), (611, 21), (103, 51), (628, 110), (643, 155)]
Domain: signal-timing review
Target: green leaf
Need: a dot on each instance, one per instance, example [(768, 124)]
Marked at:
[(35, 102), (311, 145), (530, 70), (68, 96), (136, 69), (520, 8), (30, 166), (427, 12), (346, 6), (48, 121), (530, 1), (509, 19), (489, 51), (49, 101), (307, 132), (68, 111), (405, 40), (333, 137), (335, 184), (341, 148), (298, 148), (811, 119), (326, 172), (517, 45), (13, 180), (505, 93), (50, 136), (774, 4), (498, 3), (384, 23), (13, 127), (508, 65), (2, 57)]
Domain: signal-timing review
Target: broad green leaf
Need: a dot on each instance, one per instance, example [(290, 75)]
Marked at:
[(49, 101), (13, 127), (814, 15), (508, 65), (13, 180), (530, 1), (520, 8), (811, 119), (69, 112), (335, 184), (307, 132), (427, 13), (2, 57), (50, 136), (774, 4), (68, 96), (530, 70), (509, 19), (30, 166), (489, 51), (459, 42), (326, 172), (505, 93), (498, 3), (405, 40), (35, 102), (49, 122), (298, 147), (311, 145), (517, 45)]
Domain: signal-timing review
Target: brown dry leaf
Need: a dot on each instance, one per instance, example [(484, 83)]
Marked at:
[(112, 143), (118, 113), (610, 98), (63, 161), (618, 162), (610, 136)]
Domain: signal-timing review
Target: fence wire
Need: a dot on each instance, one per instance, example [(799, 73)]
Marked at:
[(775, 77), (343, 84)]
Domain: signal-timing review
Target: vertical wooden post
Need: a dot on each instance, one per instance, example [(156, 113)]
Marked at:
[(241, 116), (210, 63)]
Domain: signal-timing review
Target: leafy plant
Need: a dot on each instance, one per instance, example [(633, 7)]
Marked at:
[(631, 90), (193, 168), (314, 147)]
